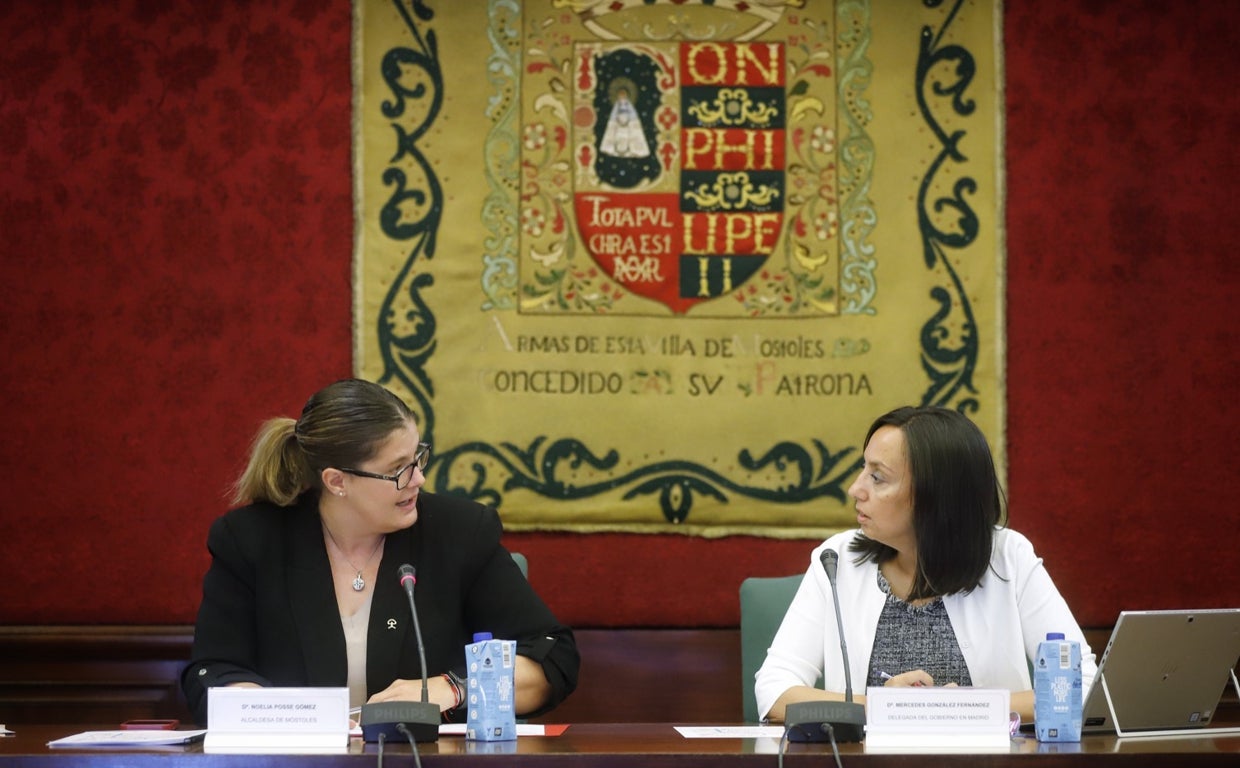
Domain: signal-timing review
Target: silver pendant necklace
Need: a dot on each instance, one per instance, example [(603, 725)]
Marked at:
[(359, 581)]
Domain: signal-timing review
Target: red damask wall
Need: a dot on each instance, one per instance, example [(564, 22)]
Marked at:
[(176, 230)]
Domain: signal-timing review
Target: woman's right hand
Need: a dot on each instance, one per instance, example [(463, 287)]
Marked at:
[(438, 690)]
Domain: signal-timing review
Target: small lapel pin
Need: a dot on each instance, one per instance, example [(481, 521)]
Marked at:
[(391, 623)]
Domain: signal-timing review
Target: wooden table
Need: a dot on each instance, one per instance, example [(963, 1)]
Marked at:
[(617, 745)]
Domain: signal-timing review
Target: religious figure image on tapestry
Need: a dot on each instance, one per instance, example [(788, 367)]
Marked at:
[(624, 135)]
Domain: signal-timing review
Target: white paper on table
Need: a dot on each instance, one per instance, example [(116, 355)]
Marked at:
[(128, 739), (730, 731), (523, 729)]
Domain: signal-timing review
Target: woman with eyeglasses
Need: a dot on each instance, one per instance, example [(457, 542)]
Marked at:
[(303, 587)]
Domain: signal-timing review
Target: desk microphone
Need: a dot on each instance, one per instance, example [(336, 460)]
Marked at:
[(839, 721), (421, 718), (408, 578)]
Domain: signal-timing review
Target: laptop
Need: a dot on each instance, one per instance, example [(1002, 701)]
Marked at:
[(1164, 670)]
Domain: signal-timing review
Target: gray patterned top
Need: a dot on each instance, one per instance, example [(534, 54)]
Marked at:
[(916, 637)]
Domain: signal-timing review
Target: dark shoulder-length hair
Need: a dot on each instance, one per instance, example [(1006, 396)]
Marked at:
[(957, 501)]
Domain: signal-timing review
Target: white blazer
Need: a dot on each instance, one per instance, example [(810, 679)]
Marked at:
[(998, 625)]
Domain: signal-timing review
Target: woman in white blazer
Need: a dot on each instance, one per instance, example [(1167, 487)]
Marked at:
[(933, 589)]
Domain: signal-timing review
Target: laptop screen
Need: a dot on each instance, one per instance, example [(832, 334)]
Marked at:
[(1164, 670)]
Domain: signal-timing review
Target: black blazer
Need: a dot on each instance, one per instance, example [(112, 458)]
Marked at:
[(269, 612)]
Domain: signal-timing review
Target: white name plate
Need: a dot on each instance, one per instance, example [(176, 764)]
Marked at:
[(284, 720), (943, 719)]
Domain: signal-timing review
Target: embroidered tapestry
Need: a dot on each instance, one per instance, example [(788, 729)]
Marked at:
[(656, 265)]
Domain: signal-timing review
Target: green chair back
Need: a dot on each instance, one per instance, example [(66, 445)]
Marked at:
[(522, 563), (764, 601)]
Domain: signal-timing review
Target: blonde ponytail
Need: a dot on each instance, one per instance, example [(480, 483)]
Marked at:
[(277, 472)]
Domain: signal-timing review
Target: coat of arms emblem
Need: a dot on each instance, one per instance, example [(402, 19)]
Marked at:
[(679, 164)]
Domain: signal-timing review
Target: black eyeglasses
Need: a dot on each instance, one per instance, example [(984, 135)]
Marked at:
[(403, 477)]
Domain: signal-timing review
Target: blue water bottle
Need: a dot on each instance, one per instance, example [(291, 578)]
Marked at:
[(491, 689), (1057, 689)]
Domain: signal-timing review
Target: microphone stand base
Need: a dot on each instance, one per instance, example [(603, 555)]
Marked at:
[(816, 720), (420, 718)]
